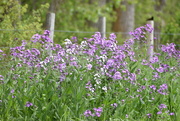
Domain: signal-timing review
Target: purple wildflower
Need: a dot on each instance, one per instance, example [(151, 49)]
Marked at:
[(87, 113), (144, 62), (153, 87), (28, 104), (132, 76), (117, 76), (74, 63), (162, 90), (110, 63), (98, 109), (149, 115), (113, 37), (156, 75), (47, 32), (98, 114), (36, 38), (1, 77), (159, 112), (89, 66), (12, 91), (171, 114), (154, 59), (13, 96), (143, 87), (160, 69), (89, 87), (161, 106), (114, 105), (164, 86)]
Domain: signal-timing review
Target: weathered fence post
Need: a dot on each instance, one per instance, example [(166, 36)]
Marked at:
[(102, 26), (102, 19), (150, 40), (50, 22)]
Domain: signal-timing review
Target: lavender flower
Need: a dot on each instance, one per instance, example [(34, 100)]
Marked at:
[(117, 76), (89, 66), (13, 96), (89, 87), (28, 104), (47, 32), (171, 114), (1, 77), (153, 87), (12, 91), (163, 89), (154, 59), (97, 112), (156, 75), (160, 69), (149, 115), (114, 105), (162, 106), (159, 112), (99, 109), (88, 113)]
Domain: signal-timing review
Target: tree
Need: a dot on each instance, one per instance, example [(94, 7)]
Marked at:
[(16, 25), (125, 18), (159, 5), (171, 26)]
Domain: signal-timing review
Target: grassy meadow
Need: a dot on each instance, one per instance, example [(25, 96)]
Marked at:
[(96, 80)]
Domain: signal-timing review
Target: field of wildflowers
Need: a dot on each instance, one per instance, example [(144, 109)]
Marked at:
[(96, 80)]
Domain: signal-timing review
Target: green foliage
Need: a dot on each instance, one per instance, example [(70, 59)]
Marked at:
[(172, 26), (80, 16), (67, 100), (171, 31), (16, 25)]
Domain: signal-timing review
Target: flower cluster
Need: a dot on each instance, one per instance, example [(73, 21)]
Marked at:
[(107, 69), (139, 33), (163, 89), (28, 104), (97, 112), (171, 50), (161, 107), (1, 77), (114, 105)]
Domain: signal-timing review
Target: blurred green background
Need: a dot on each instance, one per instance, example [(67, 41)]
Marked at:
[(20, 19)]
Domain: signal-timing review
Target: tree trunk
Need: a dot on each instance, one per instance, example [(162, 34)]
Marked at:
[(125, 19), (158, 7)]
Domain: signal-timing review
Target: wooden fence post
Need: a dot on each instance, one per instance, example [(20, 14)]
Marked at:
[(150, 40), (102, 19), (50, 22), (102, 26)]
